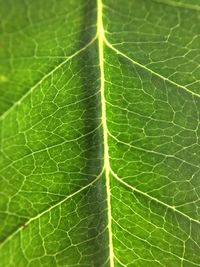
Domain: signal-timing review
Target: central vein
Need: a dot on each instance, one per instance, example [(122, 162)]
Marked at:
[(100, 33)]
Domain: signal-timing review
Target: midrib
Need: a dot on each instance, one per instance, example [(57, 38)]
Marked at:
[(100, 34)]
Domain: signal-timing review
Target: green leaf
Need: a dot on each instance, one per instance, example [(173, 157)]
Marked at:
[(100, 112)]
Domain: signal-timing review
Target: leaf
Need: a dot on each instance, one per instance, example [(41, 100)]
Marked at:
[(100, 133)]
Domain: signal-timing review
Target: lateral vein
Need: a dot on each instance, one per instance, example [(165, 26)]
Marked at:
[(2, 117), (178, 4), (51, 208), (149, 70), (153, 198)]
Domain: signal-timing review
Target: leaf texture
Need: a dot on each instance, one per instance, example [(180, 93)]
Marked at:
[(100, 111)]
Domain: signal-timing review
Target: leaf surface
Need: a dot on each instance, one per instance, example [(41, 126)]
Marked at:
[(100, 111)]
